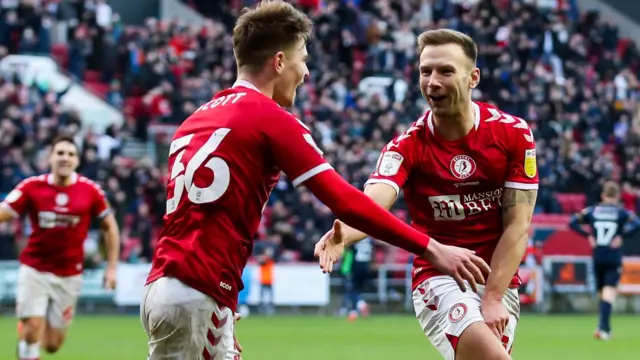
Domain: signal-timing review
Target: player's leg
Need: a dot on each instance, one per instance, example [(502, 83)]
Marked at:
[(608, 297), (359, 281), (64, 295), (182, 323), (452, 321), (599, 271), (31, 306)]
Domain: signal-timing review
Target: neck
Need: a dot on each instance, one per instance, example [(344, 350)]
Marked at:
[(61, 180), (455, 126), (258, 80)]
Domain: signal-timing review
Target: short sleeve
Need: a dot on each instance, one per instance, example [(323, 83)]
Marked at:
[(522, 168), (394, 164), (293, 148), (18, 201)]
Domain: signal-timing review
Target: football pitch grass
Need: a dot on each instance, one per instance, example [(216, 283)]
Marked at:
[(319, 338)]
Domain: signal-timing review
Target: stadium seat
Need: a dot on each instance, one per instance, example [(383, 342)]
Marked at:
[(571, 203)]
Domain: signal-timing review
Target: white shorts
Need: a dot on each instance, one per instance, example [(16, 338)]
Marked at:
[(42, 294), (183, 323), (444, 312)]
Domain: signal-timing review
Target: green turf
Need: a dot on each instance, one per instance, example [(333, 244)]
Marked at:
[(321, 338)]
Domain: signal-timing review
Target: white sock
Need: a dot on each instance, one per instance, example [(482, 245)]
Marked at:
[(28, 351)]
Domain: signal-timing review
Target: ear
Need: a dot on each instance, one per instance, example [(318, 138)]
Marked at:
[(278, 62), (475, 78)]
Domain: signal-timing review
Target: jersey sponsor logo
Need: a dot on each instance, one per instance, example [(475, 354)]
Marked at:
[(530, 167), (457, 312), (50, 220), (457, 207), (462, 166), (13, 196), (62, 199), (390, 163)]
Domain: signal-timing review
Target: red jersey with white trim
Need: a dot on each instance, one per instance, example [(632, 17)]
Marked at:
[(60, 217), (224, 161), (453, 188)]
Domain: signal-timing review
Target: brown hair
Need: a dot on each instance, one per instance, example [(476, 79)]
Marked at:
[(610, 189), (272, 26), (64, 138), (448, 36)]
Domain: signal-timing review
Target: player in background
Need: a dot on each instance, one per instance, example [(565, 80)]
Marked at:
[(609, 222), (468, 171), (224, 161), (61, 206), (356, 270)]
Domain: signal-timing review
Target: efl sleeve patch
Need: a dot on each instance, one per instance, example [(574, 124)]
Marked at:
[(530, 166), (390, 164)]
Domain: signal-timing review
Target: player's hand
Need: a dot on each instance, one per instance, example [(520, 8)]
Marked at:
[(110, 278), (459, 263), (236, 344), (330, 247), (592, 241), (495, 315), (616, 243)]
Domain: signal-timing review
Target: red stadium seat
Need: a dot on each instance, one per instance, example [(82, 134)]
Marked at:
[(60, 54), (571, 203)]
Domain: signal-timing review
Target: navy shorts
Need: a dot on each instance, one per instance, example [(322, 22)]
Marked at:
[(607, 274)]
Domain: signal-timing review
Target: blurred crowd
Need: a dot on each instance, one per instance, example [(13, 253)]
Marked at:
[(568, 73)]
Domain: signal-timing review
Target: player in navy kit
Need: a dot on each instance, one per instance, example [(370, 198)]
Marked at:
[(609, 223), (356, 268)]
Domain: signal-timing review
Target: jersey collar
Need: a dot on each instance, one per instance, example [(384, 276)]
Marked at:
[(245, 83), (72, 179), (476, 121)]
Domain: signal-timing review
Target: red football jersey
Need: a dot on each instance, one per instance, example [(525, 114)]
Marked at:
[(453, 188), (224, 161), (60, 217)]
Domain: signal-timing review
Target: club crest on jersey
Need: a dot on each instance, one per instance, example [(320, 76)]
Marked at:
[(62, 199), (530, 167), (462, 166), (390, 163), (457, 312)]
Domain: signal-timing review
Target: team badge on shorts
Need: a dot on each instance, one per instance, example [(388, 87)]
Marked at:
[(462, 166), (530, 167), (457, 312)]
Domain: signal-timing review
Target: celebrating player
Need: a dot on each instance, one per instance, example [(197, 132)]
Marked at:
[(61, 206), (224, 161), (609, 222), (469, 176)]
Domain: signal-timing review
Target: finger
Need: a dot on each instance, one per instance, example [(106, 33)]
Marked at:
[(238, 346), (475, 272), (459, 281), (237, 317), (484, 267), (330, 265), (466, 275), (323, 259)]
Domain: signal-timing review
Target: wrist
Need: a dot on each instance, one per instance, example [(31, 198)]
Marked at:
[(431, 249), (492, 296)]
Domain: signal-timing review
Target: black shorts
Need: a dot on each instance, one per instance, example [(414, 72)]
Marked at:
[(607, 274)]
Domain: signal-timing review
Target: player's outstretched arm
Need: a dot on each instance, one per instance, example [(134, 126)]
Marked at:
[(6, 213), (517, 210), (360, 212), (342, 235)]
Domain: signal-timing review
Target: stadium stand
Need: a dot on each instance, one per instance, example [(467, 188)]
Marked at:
[(569, 74)]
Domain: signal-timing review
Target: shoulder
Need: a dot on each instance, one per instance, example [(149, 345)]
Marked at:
[(86, 183), (413, 134), (31, 182), (502, 121)]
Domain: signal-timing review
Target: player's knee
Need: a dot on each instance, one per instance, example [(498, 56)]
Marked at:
[(609, 294), (32, 329)]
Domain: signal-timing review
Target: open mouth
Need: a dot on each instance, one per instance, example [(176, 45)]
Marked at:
[(438, 98)]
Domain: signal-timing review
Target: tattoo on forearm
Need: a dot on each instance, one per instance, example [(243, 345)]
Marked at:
[(513, 197)]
